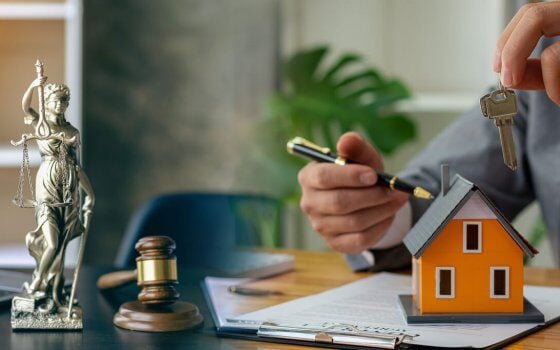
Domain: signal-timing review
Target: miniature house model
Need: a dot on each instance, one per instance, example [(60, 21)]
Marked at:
[(467, 260)]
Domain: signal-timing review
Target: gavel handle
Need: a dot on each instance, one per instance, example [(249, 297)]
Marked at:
[(116, 279)]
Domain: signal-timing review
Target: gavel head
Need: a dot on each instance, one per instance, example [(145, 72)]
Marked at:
[(157, 308), (157, 270)]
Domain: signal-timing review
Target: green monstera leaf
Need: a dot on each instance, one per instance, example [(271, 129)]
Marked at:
[(324, 101), (321, 99)]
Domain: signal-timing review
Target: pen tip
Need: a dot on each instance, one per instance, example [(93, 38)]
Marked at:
[(419, 192)]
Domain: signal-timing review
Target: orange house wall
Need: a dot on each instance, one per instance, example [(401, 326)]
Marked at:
[(472, 270)]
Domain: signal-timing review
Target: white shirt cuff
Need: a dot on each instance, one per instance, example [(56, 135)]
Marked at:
[(396, 232), (394, 236), (361, 261)]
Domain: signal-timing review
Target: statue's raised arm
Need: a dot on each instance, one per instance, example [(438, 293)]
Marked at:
[(30, 115)]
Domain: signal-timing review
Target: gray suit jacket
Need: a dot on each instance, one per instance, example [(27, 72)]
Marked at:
[(471, 147)]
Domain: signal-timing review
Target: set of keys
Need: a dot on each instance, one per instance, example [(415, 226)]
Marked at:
[(501, 106)]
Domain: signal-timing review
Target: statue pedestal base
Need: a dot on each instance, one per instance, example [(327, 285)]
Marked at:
[(30, 313)]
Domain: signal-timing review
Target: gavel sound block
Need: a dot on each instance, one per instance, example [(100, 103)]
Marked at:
[(157, 308)]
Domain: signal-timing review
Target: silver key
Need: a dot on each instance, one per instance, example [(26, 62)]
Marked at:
[(501, 106)]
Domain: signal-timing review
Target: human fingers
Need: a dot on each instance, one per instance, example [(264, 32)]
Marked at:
[(357, 242), (358, 221), (352, 146), (505, 36), (542, 73), (538, 20), (342, 201), (533, 77), (326, 176), (550, 65)]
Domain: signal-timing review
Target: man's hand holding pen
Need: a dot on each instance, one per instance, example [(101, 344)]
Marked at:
[(343, 203)]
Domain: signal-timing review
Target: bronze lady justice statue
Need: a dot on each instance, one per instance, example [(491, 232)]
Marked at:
[(59, 211)]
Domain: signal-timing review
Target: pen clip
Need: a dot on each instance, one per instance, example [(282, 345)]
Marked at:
[(303, 142)]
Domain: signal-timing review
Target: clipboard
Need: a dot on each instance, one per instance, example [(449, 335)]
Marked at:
[(339, 336), (343, 337), (285, 334)]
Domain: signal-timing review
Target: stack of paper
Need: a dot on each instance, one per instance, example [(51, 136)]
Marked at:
[(371, 305)]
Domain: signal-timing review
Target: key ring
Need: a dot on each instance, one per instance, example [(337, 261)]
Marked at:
[(500, 86)]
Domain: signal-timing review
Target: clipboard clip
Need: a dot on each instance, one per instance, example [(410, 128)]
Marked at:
[(343, 334)]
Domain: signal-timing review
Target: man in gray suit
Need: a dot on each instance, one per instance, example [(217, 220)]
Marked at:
[(356, 217)]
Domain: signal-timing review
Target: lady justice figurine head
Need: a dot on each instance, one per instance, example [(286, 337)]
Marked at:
[(57, 99)]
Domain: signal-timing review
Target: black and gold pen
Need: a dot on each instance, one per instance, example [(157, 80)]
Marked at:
[(252, 291), (308, 149)]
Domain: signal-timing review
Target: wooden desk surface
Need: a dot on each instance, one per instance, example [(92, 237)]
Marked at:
[(315, 272), (319, 271)]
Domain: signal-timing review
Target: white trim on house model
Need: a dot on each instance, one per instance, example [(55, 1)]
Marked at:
[(465, 224), (439, 295), (492, 282)]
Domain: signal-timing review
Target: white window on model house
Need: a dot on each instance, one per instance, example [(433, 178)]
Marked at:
[(499, 282), (445, 282), (472, 236)]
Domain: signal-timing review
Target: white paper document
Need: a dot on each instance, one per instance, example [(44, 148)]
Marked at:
[(215, 289), (372, 305)]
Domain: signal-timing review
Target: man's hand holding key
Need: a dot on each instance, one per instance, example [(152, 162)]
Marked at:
[(352, 214), (517, 70), (518, 40)]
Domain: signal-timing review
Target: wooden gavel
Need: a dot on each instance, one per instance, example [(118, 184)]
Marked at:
[(157, 308)]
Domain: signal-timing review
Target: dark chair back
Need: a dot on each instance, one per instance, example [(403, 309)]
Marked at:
[(203, 224)]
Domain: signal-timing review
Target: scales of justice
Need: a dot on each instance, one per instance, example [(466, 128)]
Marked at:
[(63, 200)]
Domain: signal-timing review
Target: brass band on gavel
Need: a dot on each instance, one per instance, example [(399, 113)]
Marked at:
[(157, 270)]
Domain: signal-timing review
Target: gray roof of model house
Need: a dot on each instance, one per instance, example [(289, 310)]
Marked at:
[(444, 208)]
